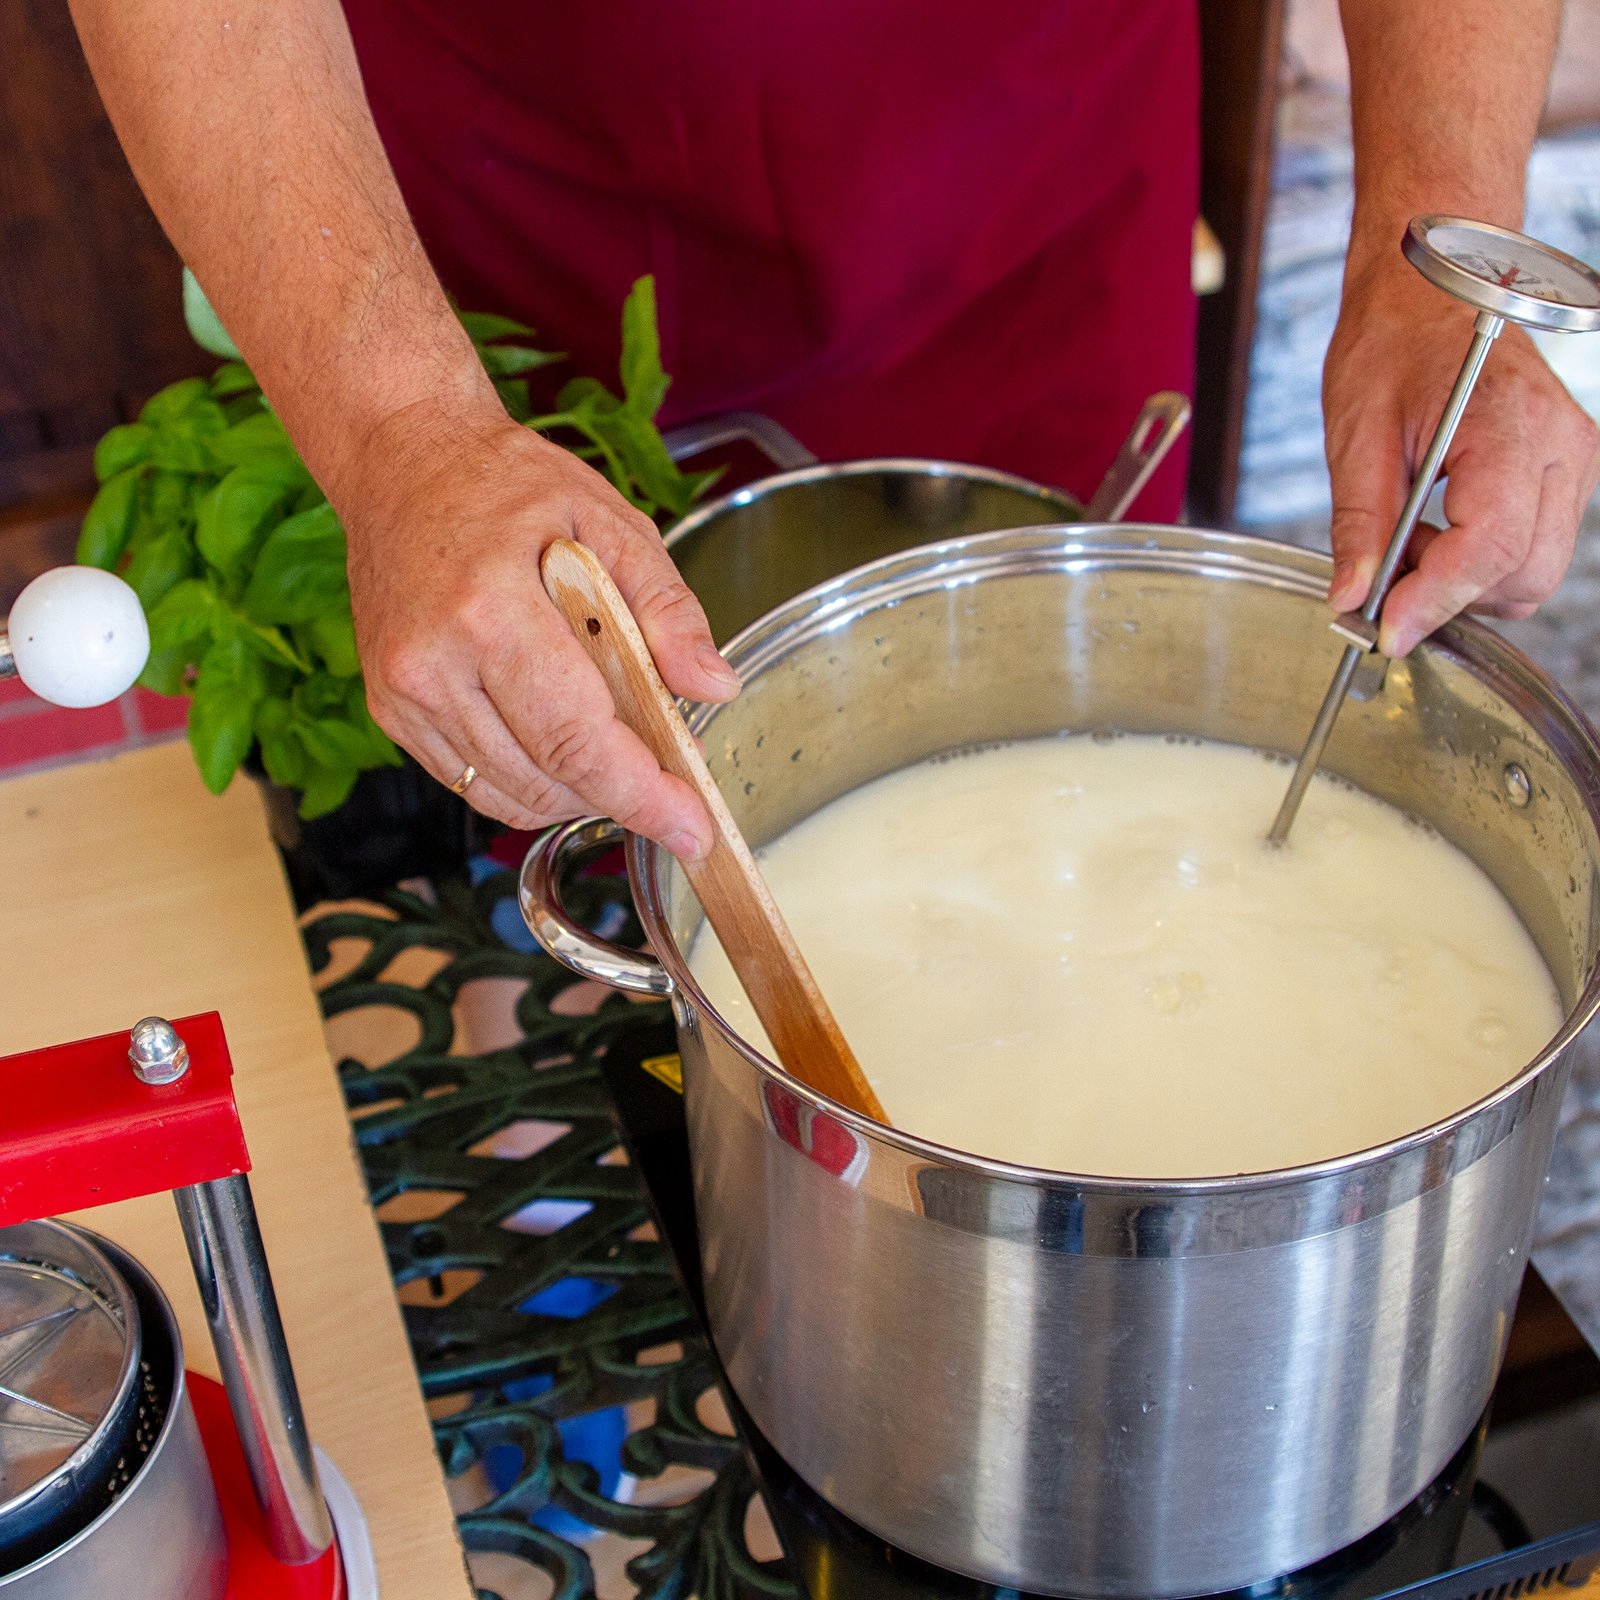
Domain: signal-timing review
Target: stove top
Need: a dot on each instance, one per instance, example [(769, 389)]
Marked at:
[(1516, 1511)]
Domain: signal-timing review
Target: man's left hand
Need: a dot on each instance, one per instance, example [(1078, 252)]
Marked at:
[(1521, 470)]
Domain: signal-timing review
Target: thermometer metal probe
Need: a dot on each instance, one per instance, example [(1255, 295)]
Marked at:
[(1509, 278)]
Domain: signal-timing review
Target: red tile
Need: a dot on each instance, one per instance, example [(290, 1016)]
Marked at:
[(159, 713), (58, 731)]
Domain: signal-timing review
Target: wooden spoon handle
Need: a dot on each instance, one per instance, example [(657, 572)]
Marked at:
[(727, 882)]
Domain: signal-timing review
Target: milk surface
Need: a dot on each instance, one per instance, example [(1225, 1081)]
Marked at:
[(1079, 953)]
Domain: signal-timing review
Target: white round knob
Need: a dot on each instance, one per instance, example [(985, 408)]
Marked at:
[(78, 636)]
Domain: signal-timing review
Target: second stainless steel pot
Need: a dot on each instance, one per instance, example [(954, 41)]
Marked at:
[(1090, 1385), (751, 550)]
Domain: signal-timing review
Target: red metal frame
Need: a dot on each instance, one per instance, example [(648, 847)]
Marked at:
[(81, 1129)]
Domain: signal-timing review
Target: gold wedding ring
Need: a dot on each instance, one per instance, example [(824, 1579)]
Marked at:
[(468, 773)]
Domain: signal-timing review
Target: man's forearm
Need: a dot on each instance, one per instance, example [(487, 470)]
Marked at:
[(1445, 101), (246, 125)]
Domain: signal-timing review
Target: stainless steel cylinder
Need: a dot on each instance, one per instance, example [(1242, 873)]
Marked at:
[(73, 1406), (1085, 1385), (161, 1537), (753, 549), (230, 1267)]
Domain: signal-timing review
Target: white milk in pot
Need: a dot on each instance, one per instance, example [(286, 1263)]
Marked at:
[(1080, 954)]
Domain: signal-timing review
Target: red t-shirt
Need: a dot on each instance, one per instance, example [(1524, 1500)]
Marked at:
[(919, 227)]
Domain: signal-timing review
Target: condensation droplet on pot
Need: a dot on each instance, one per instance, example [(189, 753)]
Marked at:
[(1518, 790)]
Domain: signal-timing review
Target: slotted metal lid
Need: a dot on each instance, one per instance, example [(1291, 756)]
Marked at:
[(69, 1360)]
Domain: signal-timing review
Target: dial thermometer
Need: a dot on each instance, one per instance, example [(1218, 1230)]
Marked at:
[(1509, 278)]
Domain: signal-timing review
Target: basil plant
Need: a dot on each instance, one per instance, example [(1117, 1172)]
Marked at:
[(207, 510)]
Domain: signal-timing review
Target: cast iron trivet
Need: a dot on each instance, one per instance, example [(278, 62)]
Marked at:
[(525, 1370)]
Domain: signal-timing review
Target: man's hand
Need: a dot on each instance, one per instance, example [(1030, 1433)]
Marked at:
[(248, 130), (468, 661), (1521, 469), (1523, 463)]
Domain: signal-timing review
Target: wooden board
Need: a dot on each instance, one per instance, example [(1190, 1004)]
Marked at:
[(129, 890)]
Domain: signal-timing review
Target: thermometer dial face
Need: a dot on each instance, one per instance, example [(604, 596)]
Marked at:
[(1506, 273)]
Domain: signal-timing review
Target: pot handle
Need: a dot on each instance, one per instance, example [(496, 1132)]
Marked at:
[(772, 439), (1155, 430), (539, 896)]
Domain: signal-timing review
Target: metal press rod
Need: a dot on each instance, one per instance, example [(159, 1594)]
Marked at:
[(230, 1265), (1486, 331)]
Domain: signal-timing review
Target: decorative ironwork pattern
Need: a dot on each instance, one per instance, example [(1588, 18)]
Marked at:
[(561, 1361)]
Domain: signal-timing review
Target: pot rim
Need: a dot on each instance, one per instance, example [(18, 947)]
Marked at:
[(909, 466), (1154, 546)]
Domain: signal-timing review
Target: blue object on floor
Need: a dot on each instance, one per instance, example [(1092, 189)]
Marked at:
[(596, 1438), (506, 918)]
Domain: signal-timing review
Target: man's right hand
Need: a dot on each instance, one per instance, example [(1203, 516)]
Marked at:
[(248, 130), (467, 661), (250, 133)]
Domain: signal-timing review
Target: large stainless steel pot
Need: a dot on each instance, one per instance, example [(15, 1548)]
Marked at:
[(751, 550), (1079, 1384)]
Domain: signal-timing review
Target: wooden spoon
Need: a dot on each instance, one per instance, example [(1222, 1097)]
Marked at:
[(727, 882)]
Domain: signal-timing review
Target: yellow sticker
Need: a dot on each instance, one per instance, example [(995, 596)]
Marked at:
[(668, 1069)]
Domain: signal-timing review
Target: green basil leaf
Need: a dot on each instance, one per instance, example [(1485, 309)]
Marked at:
[(233, 378), (164, 672), (333, 637), (202, 417), (381, 749), (163, 563), (241, 407), (283, 758), (643, 382), (169, 502), (332, 743), (183, 616), (485, 325), (281, 752), (260, 442), (220, 736), (230, 685), (325, 789), (236, 516), (168, 404), (300, 570), (319, 695), (511, 360), (122, 447), (270, 644), (274, 715), (182, 452), (205, 327), (587, 396), (635, 439), (109, 521)]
